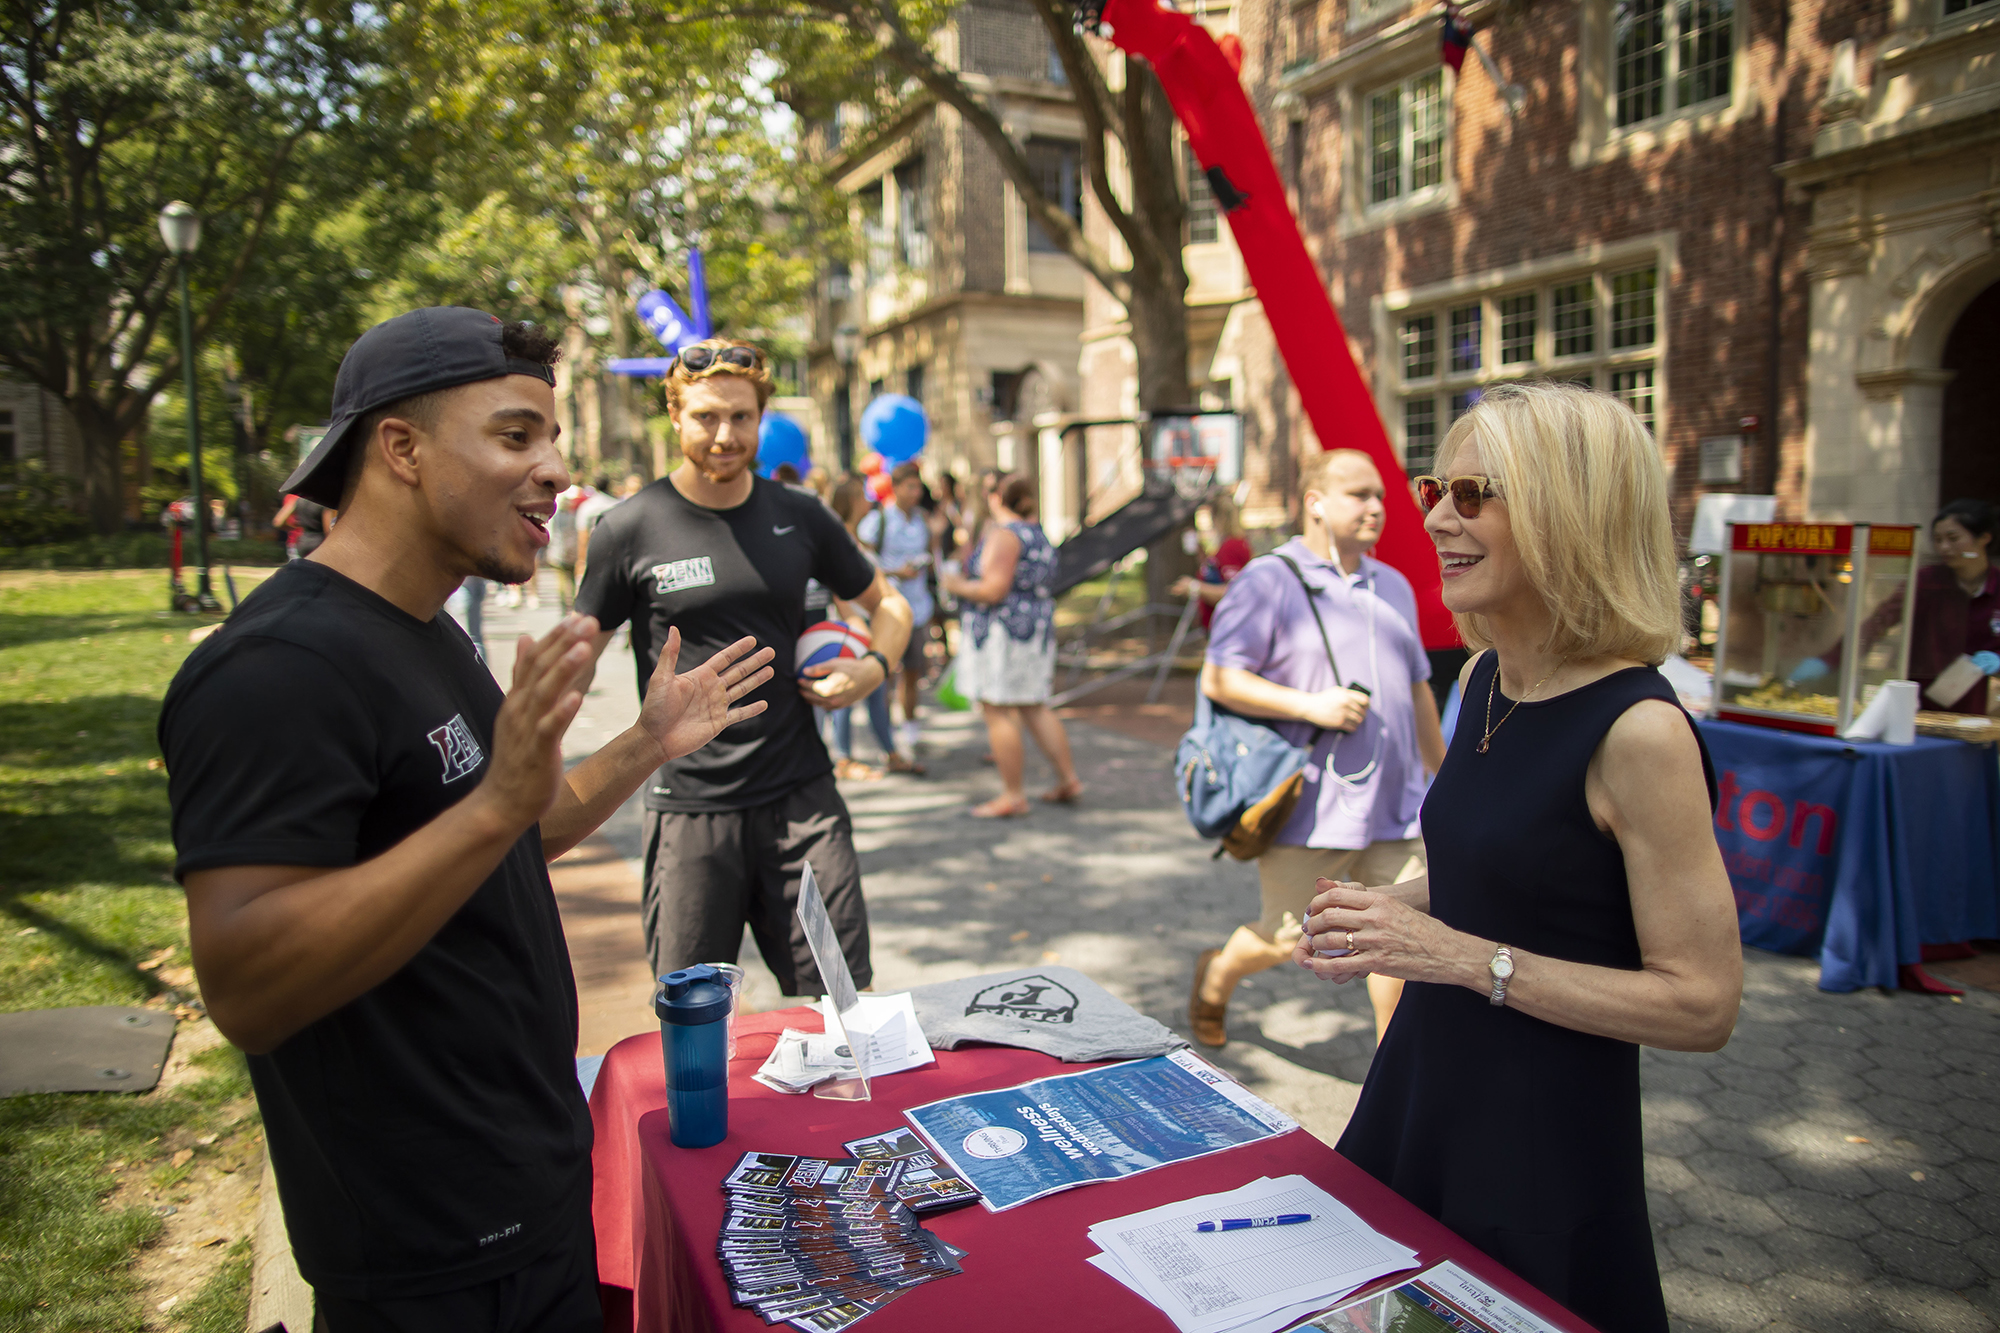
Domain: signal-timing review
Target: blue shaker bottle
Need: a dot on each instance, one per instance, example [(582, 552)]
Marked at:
[(693, 1007)]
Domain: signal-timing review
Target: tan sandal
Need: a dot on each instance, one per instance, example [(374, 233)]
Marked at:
[(1209, 1021), (1063, 793)]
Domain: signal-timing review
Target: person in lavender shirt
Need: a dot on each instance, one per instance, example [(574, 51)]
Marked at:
[(1372, 752)]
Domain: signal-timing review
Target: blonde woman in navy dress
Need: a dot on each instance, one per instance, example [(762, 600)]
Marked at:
[(1576, 907)]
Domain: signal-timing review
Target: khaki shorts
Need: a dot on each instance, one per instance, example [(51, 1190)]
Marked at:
[(1287, 878)]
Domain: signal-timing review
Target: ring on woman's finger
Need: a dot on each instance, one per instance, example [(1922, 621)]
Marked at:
[(1350, 941)]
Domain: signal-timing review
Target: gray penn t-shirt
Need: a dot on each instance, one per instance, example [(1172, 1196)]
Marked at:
[(1055, 1010)]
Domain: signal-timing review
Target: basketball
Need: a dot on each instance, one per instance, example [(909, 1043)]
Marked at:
[(828, 641)]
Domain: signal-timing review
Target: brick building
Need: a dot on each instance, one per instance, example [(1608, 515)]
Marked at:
[(955, 298), (1768, 229)]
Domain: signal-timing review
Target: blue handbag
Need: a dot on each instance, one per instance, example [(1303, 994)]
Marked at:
[(1239, 780)]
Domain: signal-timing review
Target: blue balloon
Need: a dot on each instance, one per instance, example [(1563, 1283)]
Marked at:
[(780, 440), (895, 427)]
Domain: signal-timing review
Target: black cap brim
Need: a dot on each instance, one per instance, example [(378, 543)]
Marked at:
[(322, 474)]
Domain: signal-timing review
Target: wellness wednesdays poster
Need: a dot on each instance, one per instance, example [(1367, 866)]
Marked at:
[(1054, 1134)]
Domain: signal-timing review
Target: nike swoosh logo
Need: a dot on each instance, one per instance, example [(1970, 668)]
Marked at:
[(779, 532)]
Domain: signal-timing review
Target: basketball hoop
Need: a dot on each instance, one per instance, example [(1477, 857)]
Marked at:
[(1190, 476)]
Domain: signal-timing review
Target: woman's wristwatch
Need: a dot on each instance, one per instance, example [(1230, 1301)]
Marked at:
[(1502, 971)]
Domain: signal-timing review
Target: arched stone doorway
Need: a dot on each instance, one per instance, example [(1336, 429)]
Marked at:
[(1969, 428)]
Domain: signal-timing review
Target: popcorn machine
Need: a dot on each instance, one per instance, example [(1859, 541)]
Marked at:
[(1815, 616)]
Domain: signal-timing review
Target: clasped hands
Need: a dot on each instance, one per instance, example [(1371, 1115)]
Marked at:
[(1390, 938)]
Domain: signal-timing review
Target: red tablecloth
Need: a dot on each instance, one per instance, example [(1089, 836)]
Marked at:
[(658, 1208)]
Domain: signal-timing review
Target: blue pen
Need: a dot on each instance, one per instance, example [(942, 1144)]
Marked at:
[(1245, 1223)]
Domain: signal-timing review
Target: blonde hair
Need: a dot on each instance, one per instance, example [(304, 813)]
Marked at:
[(680, 376), (1587, 494)]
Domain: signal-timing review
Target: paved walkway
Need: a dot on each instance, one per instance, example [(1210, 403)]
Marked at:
[(1835, 1168)]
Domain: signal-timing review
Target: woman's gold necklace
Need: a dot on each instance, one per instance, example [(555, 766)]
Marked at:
[(1492, 689)]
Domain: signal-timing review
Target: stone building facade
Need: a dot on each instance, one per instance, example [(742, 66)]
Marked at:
[(1903, 175), (954, 297), (1226, 370), (35, 427)]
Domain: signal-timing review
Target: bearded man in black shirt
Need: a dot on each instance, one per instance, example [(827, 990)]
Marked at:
[(363, 823), (718, 553)]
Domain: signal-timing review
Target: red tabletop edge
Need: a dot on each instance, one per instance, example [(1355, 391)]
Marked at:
[(658, 1208)]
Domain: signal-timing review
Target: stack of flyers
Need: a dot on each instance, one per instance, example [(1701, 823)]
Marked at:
[(821, 1243), (927, 1184)]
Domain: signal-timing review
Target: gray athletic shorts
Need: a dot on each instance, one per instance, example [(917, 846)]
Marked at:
[(709, 875)]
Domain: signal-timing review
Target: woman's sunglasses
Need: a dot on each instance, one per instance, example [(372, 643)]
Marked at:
[(1467, 493), (701, 357)]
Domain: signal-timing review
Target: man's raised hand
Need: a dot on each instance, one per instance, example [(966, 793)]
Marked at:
[(527, 765), (684, 712)]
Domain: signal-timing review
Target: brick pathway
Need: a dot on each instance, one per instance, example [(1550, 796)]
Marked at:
[(1835, 1168)]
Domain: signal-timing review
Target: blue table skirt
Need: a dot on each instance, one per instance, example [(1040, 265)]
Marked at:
[(1859, 852)]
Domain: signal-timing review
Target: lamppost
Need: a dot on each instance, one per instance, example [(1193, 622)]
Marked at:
[(180, 228), (846, 346)]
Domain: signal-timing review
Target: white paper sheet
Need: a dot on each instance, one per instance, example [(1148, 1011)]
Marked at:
[(888, 1023), (1270, 1323), (1256, 1279)]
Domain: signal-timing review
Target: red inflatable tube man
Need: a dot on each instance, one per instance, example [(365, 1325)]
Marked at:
[(1200, 80)]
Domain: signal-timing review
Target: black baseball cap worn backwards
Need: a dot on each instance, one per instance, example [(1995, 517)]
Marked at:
[(423, 351)]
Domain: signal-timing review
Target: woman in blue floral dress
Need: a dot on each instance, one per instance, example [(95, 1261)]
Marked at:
[(1007, 646)]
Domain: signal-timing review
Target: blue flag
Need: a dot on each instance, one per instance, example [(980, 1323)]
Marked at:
[(698, 293), (666, 322)]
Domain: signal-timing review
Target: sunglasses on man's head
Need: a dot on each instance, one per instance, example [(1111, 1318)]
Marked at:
[(701, 357), (1467, 493)]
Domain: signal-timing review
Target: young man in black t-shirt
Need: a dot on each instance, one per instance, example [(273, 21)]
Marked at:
[(718, 553), (363, 823)]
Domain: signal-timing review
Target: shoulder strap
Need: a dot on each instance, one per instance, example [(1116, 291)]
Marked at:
[(1313, 607)]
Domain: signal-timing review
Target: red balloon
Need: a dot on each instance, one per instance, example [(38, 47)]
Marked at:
[(880, 488), (872, 463)]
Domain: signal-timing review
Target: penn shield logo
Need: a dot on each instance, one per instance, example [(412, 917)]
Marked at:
[(676, 575), (1034, 999), (458, 748)]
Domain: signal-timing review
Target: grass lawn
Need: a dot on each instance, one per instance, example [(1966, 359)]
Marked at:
[(1076, 607), (89, 914)]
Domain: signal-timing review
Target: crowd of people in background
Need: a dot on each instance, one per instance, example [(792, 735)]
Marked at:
[(931, 541)]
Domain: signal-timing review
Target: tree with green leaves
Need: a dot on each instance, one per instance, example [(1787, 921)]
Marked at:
[(619, 143), (1129, 154), (242, 108)]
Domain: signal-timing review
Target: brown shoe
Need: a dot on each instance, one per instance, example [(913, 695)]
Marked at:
[(1209, 1021)]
